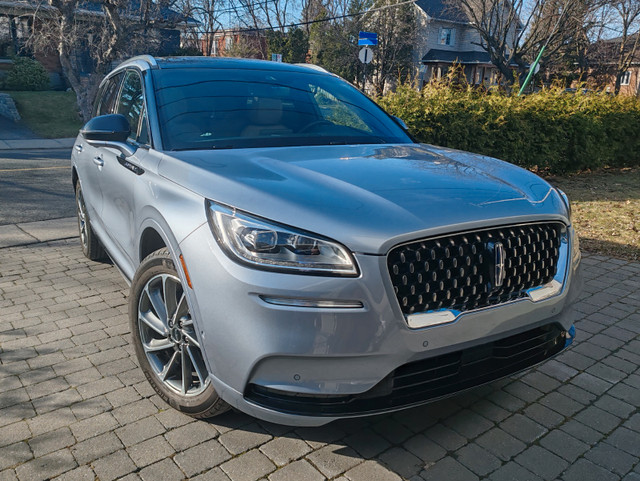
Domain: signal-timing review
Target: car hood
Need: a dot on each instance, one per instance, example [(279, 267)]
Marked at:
[(368, 197)]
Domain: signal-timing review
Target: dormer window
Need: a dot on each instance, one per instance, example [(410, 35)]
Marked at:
[(447, 36)]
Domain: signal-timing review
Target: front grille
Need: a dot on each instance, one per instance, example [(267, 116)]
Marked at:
[(425, 380), (458, 272)]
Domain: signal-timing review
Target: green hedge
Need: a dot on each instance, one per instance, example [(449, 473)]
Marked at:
[(550, 130)]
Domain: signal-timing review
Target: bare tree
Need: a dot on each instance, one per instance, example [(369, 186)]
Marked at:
[(209, 14), (513, 31), (567, 57), (88, 42), (626, 14), (396, 28)]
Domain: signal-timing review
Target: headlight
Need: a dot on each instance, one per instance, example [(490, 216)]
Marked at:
[(565, 199), (268, 245)]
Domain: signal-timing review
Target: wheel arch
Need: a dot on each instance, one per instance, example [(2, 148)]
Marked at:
[(150, 241)]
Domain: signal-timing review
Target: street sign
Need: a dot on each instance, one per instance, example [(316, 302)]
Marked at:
[(365, 55), (367, 38), (276, 57)]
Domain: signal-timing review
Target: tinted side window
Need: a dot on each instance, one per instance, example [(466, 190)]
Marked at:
[(143, 137), (131, 101), (107, 95)]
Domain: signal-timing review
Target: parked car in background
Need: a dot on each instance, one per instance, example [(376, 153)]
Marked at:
[(295, 254)]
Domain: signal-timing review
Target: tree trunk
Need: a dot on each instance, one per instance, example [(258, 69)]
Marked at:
[(616, 88)]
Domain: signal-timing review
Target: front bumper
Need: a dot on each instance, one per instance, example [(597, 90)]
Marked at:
[(262, 356)]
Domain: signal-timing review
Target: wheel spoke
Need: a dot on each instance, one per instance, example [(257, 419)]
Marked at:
[(196, 366), (158, 304), (190, 338), (169, 289), (167, 368), (182, 308), (151, 320), (157, 345), (186, 371)]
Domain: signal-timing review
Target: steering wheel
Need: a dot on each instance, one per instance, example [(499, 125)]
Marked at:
[(315, 124)]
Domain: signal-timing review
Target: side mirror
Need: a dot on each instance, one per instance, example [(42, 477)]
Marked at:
[(109, 131), (400, 122)]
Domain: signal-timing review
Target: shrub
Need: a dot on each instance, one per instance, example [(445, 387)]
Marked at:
[(549, 130), (26, 74)]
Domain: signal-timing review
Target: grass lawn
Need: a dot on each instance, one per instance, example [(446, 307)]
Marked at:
[(606, 210), (49, 114)]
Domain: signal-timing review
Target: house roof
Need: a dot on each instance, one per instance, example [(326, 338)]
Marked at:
[(447, 56), (443, 10), (606, 51), (161, 14)]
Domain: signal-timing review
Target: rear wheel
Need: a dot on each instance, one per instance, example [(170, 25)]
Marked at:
[(91, 246), (165, 339)]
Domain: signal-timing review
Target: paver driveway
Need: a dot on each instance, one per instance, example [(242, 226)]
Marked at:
[(73, 402)]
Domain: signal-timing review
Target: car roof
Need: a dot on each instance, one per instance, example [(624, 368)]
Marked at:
[(163, 63)]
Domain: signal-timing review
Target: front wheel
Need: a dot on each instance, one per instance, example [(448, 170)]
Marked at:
[(165, 339)]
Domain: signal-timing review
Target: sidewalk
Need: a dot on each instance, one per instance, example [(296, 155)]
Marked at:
[(40, 231), (35, 144)]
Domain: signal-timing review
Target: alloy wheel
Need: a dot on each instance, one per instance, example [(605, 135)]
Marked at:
[(82, 219), (168, 336)]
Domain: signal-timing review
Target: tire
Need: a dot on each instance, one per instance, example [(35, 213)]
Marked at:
[(165, 339), (91, 247)]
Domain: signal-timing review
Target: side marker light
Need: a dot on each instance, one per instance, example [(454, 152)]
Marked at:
[(186, 272)]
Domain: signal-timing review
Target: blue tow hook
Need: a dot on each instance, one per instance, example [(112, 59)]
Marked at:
[(570, 336)]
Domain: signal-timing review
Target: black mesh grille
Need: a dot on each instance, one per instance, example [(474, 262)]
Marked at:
[(428, 379), (458, 271)]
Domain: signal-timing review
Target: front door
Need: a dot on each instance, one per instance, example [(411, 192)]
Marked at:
[(122, 176)]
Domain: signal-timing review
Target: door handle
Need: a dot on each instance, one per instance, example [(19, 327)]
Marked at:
[(98, 161), (79, 147)]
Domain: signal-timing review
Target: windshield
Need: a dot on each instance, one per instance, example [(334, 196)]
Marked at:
[(243, 108)]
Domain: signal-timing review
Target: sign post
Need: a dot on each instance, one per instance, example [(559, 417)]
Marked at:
[(365, 55)]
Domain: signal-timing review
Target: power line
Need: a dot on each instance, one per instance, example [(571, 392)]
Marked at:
[(310, 22), (235, 9)]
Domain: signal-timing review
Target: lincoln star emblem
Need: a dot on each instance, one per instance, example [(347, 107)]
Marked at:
[(498, 252)]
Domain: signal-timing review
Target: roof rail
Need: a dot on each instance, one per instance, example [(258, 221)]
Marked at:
[(146, 58), (312, 66)]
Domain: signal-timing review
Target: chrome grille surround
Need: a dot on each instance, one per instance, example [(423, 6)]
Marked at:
[(437, 279)]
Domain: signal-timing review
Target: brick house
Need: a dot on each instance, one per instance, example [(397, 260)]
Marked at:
[(222, 43), (603, 56)]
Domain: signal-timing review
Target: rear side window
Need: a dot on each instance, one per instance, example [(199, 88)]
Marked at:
[(107, 95), (131, 101)]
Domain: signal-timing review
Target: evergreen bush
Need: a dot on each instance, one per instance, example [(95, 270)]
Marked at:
[(26, 74), (550, 130)]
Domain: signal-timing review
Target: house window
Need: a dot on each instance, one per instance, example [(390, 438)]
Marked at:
[(446, 36), (228, 43), (626, 78)]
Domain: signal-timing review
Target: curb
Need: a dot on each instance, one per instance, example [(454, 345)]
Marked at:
[(35, 144), (12, 235)]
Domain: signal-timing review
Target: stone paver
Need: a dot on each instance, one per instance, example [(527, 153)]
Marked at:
[(73, 404)]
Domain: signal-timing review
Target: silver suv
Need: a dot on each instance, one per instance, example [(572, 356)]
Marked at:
[(295, 254)]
